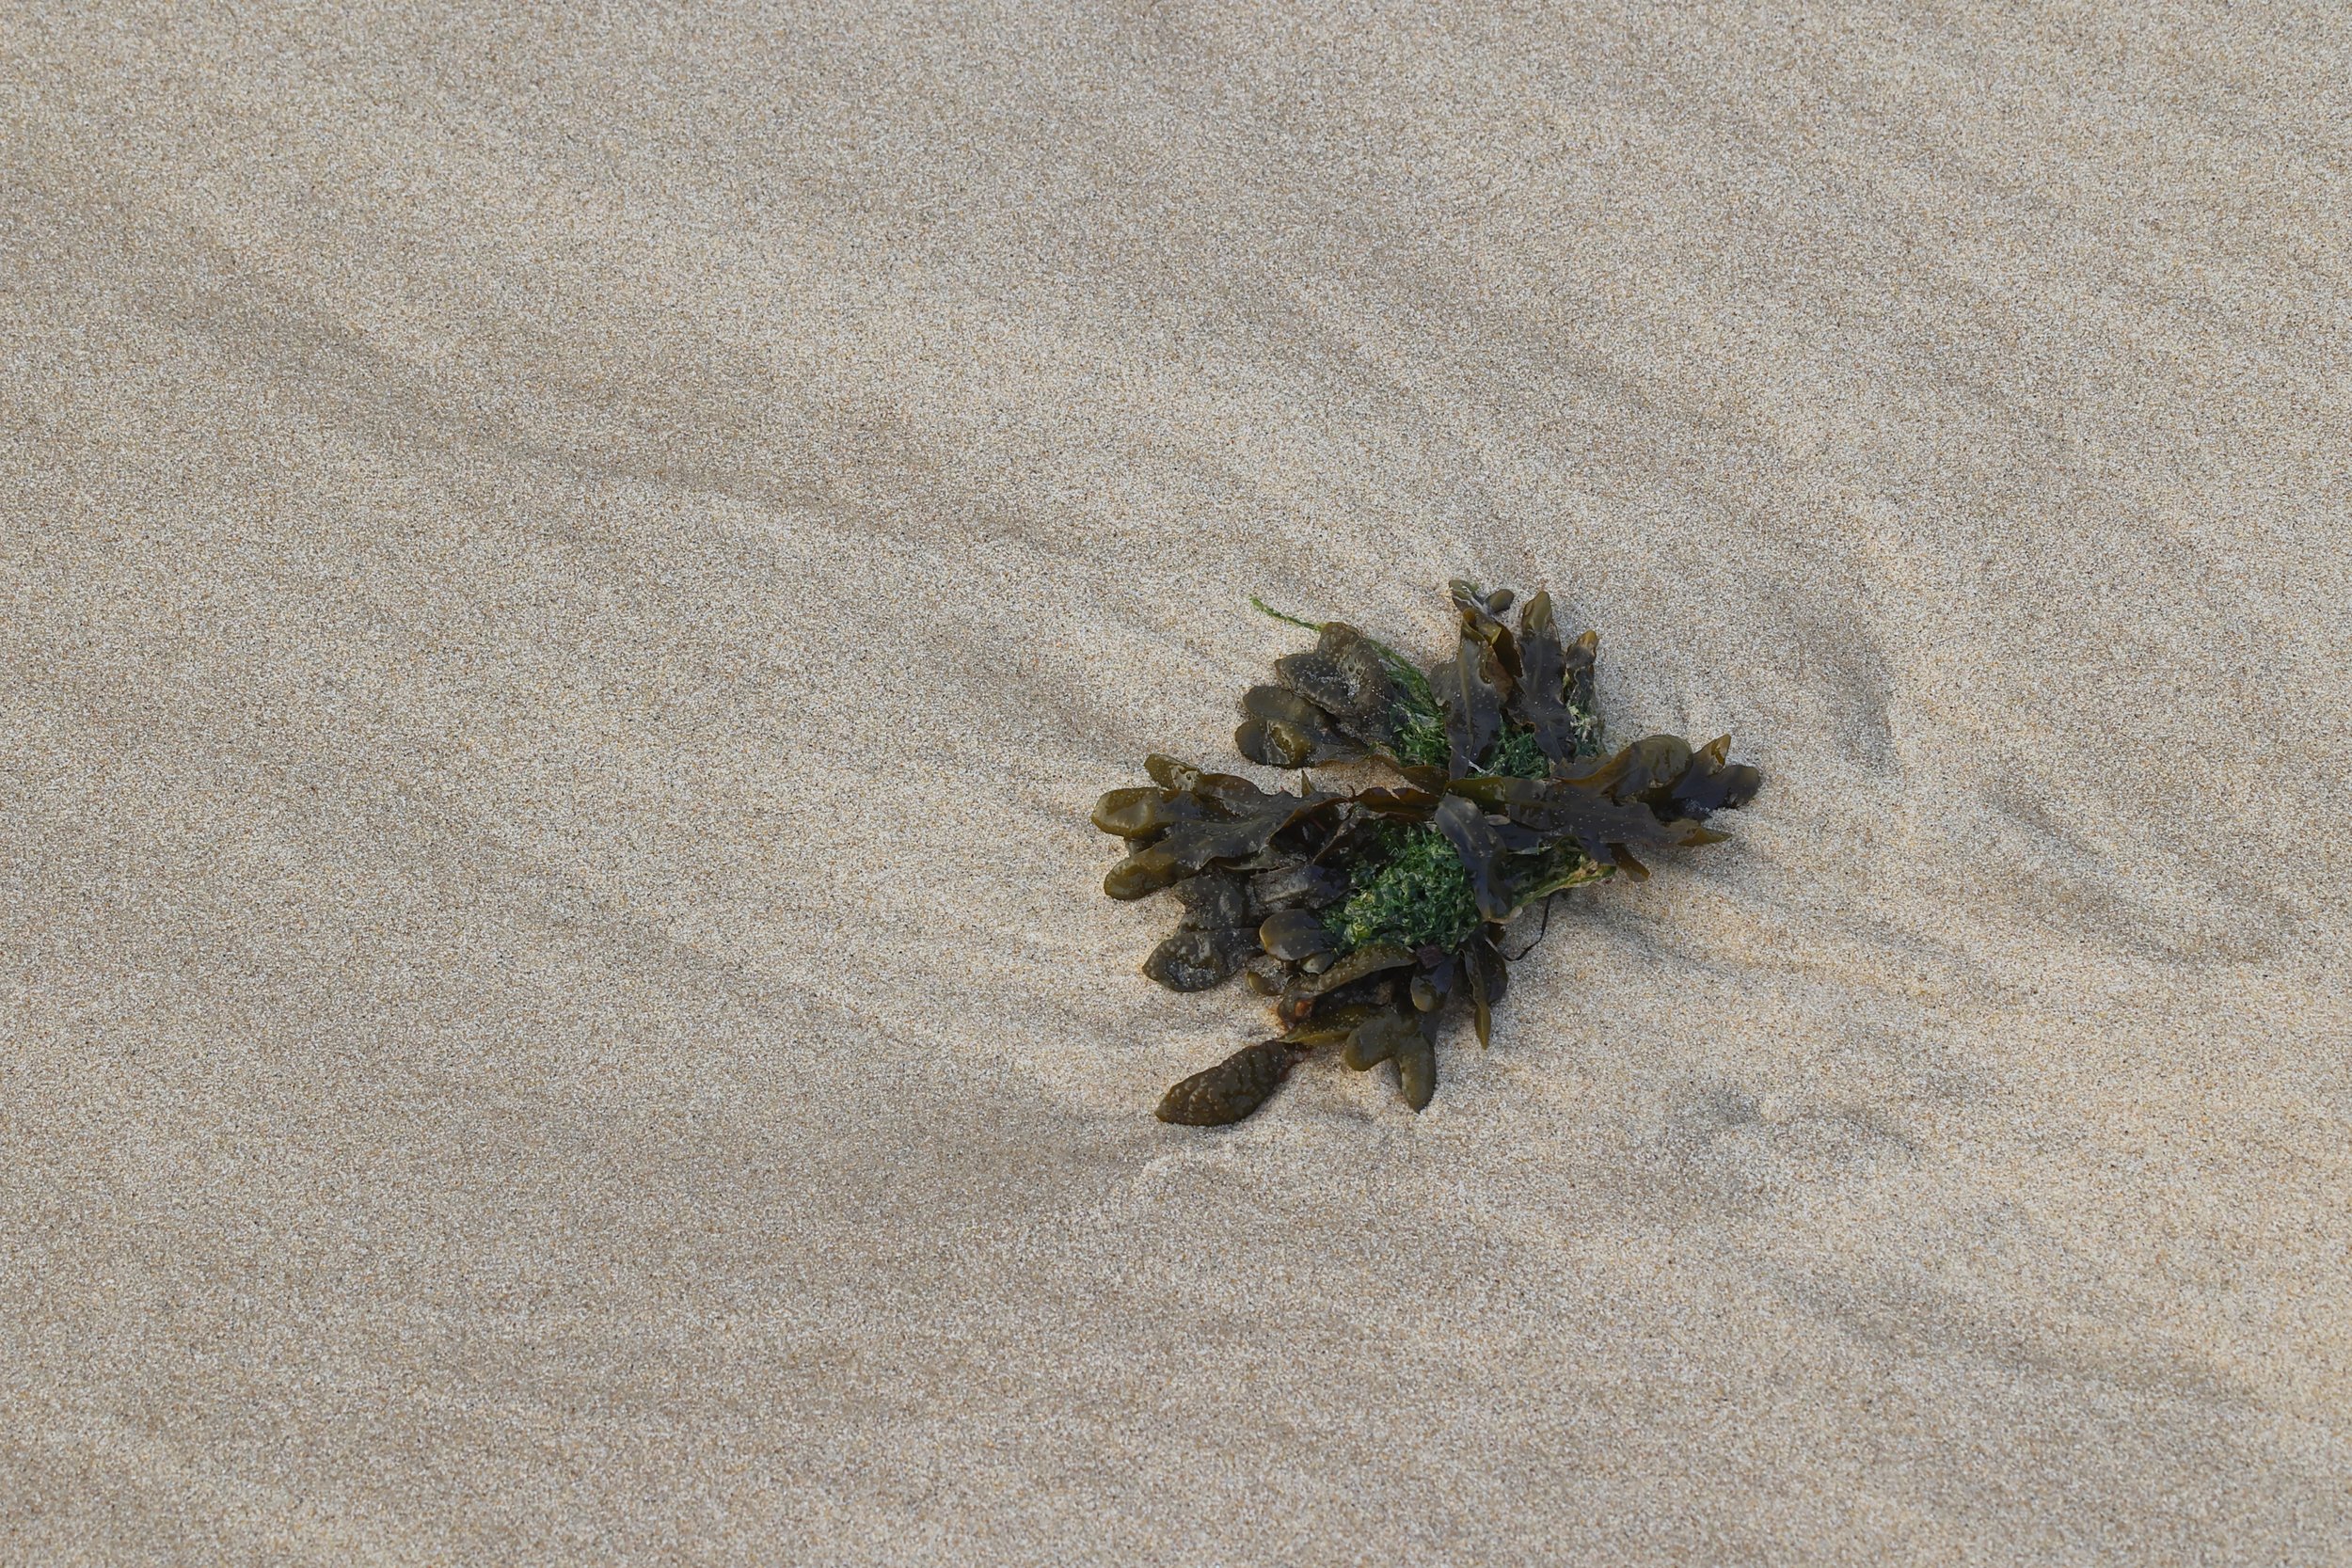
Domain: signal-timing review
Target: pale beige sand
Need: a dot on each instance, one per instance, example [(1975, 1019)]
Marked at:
[(571, 576)]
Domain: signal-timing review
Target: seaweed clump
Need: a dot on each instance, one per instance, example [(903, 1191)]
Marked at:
[(1366, 915)]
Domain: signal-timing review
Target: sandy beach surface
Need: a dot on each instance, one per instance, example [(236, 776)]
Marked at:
[(569, 575)]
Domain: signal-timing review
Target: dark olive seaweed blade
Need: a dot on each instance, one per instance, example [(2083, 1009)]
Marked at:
[(1231, 794), (1480, 850), (1294, 934), (1676, 783), (1310, 887), (1218, 794), (1400, 805), (1379, 1038), (1583, 655), (1246, 822), (1333, 1025), (1469, 693), (1169, 773), (1417, 1071), (1193, 958), (1231, 1090), (1142, 875), (1585, 811), (1434, 985), (1144, 813), (1267, 975), (1735, 787), (1478, 620), (1651, 766), (1487, 977), (1345, 677), (1285, 730), (1214, 899), (1300, 995), (1540, 699), (1708, 785)]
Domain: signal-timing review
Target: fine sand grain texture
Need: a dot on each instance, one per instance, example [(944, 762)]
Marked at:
[(570, 574)]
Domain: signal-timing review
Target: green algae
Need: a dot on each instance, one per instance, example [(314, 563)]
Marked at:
[(1414, 891)]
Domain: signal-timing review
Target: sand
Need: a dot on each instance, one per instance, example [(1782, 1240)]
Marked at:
[(572, 573)]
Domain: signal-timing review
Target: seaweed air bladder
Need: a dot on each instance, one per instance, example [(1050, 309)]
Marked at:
[(1368, 916)]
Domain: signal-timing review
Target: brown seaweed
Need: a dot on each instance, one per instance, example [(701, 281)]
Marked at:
[(1345, 677), (1541, 700), (1196, 961), (1244, 830), (1469, 691), (1232, 1088), (1481, 849), (1366, 915), (1284, 730)]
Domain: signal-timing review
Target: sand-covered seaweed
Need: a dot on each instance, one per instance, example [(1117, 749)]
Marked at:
[(1367, 914)]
